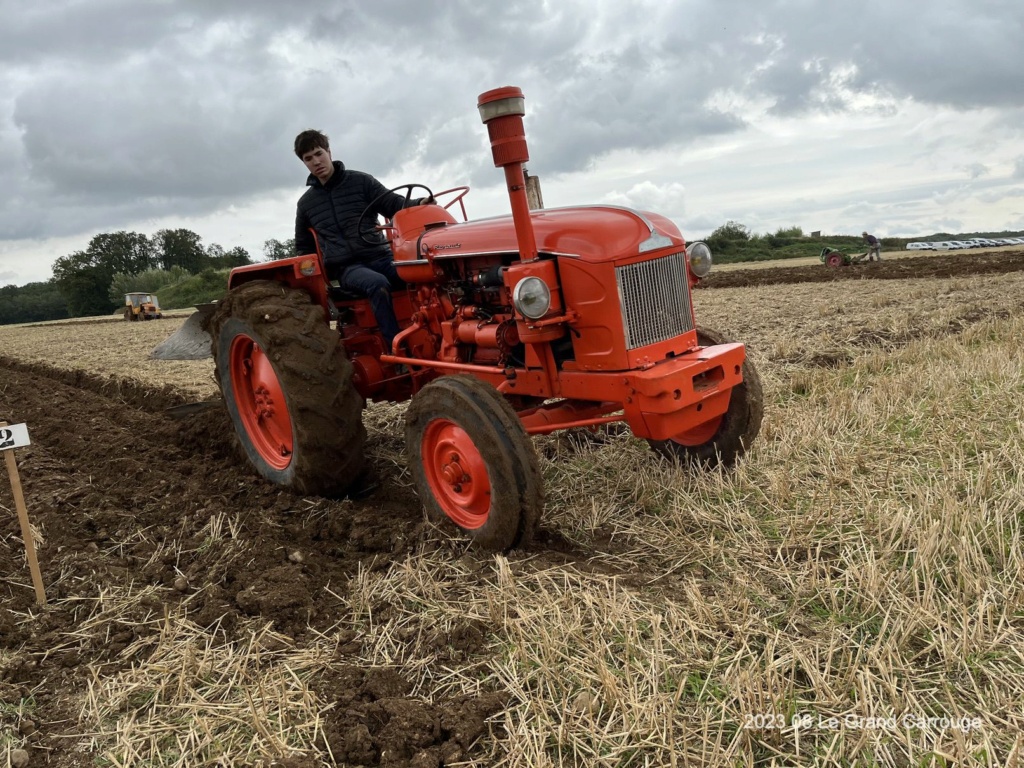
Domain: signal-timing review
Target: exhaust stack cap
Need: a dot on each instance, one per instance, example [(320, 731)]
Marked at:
[(502, 112), (501, 102)]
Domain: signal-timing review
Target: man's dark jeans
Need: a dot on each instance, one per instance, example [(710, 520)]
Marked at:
[(374, 279)]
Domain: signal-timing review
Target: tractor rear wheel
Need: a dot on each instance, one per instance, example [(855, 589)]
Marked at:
[(473, 462), (287, 385), (725, 439), (835, 260)]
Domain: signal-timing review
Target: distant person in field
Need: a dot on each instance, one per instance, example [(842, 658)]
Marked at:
[(874, 247)]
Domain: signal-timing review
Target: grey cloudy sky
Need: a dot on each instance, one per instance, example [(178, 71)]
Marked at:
[(902, 117)]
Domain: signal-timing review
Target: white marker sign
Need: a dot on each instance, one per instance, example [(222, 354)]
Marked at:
[(13, 436)]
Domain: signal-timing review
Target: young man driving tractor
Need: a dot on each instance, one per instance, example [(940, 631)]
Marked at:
[(332, 206)]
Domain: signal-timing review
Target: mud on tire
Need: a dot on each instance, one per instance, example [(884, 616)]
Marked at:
[(500, 503), (324, 411), (739, 426)]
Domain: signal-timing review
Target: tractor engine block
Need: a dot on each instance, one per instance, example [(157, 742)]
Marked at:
[(470, 313)]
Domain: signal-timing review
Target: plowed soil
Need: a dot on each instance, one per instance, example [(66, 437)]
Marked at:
[(125, 495), (958, 265)]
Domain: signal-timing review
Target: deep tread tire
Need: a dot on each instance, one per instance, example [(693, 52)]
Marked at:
[(740, 424), (315, 376), (497, 434)]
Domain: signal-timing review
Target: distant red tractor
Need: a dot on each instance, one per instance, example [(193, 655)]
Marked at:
[(511, 326)]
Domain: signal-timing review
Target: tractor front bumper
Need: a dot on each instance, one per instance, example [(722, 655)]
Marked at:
[(670, 397)]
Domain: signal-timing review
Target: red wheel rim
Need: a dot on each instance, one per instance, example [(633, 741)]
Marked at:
[(699, 435), (456, 473), (835, 260), (260, 402)]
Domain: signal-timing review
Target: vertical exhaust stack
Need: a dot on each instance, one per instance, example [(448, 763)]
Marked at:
[(502, 110)]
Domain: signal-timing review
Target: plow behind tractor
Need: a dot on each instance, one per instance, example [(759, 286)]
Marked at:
[(191, 341), (835, 258)]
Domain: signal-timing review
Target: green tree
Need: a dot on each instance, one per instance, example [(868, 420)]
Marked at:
[(789, 232), (129, 252), (84, 277), (181, 248), (218, 258), (732, 230), (237, 257), (279, 249), (726, 237), (83, 284), (150, 281), (31, 303), (214, 252)]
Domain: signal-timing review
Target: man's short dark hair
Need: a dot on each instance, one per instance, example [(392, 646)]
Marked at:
[(309, 140)]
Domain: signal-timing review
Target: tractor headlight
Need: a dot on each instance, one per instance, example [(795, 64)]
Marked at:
[(700, 258), (532, 297)]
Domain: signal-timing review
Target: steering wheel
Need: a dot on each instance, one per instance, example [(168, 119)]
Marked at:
[(366, 232)]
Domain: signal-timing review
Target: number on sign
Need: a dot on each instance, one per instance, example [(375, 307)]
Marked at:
[(13, 436)]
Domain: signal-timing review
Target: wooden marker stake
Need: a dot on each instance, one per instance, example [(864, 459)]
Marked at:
[(26, 528)]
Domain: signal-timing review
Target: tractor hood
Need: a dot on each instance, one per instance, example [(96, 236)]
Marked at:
[(592, 233)]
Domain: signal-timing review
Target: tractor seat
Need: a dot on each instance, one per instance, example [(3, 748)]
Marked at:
[(337, 293)]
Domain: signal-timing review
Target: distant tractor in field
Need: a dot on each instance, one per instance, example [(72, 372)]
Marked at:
[(141, 306)]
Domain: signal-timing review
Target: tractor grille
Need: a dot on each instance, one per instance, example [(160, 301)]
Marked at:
[(655, 297)]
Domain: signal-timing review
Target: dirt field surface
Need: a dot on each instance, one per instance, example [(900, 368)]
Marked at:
[(960, 264), (148, 507), (886, 256), (864, 562)]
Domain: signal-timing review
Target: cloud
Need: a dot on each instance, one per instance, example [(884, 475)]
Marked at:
[(977, 170), (668, 199), (117, 114)]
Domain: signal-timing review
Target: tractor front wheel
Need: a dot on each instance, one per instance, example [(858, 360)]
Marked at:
[(287, 385), (473, 462), (725, 439)]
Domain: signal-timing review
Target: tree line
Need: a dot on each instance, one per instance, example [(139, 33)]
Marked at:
[(93, 281), (734, 242)]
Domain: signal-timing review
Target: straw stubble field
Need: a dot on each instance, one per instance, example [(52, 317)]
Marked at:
[(850, 594)]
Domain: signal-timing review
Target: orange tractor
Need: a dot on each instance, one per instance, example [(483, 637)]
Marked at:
[(511, 327)]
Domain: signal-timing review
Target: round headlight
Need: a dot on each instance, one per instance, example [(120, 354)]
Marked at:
[(532, 297), (700, 258)]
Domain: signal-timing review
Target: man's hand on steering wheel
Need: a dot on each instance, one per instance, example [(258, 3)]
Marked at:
[(370, 235)]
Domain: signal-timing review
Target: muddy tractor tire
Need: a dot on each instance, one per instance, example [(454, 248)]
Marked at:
[(725, 439), (287, 386), (835, 260), (473, 463)]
